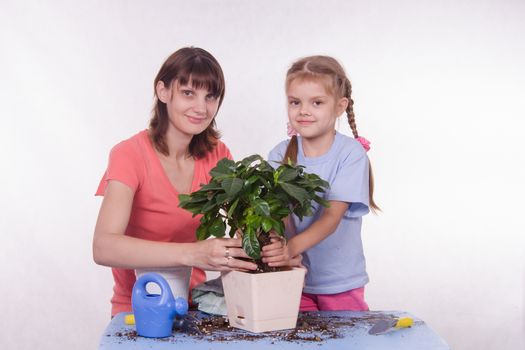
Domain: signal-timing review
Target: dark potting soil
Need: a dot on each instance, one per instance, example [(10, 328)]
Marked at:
[(311, 327), (263, 267)]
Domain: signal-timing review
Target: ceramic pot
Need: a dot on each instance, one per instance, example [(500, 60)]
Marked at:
[(265, 301)]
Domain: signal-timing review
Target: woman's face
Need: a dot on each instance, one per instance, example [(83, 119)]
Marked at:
[(190, 110)]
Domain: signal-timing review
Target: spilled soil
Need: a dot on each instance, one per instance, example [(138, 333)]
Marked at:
[(311, 327)]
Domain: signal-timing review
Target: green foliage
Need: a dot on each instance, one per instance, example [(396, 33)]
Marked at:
[(254, 198)]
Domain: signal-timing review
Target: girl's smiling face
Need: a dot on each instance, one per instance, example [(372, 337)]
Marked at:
[(312, 108)]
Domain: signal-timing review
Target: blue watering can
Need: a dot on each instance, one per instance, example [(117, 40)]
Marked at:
[(154, 313)]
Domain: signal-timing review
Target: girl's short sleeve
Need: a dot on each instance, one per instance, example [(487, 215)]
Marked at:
[(351, 183), (123, 166), (276, 155)]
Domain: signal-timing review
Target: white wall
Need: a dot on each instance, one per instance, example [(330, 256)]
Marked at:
[(438, 89)]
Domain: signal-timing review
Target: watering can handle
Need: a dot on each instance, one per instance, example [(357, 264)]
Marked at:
[(139, 290)]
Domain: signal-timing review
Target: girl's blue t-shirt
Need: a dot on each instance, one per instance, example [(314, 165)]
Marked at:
[(336, 264)]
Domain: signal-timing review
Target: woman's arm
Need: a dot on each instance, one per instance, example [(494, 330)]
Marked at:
[(112, 248), (315, 233)]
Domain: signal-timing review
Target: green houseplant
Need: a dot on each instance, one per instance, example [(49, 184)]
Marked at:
[(253, 198)]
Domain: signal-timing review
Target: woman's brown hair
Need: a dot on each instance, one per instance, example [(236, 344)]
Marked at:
[(198, 67), (319, 68)]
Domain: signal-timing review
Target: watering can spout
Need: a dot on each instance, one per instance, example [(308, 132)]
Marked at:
[(180, 307)]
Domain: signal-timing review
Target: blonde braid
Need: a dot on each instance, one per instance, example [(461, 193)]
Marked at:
[(350, 108), (351, 120)]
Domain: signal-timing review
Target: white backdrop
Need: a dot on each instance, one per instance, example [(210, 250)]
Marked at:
[(438, 89)]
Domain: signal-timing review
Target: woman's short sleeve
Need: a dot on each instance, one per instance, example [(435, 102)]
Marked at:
[(123, 166), (223, 151)]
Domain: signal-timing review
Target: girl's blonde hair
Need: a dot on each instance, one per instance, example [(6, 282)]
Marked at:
[(327, 70)]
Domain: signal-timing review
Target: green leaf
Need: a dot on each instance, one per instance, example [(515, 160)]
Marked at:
[(278, 226), (267, 224), (253, 220), (283, 212), (296, 192), (232, 208), (183, 199), (195, 210), (277, 173), (224, 167), (249, 160), (217, 228), (251, 180), (322, 201), (288, 174), (212, 186), (209, 206), (250, 244), (202, 233), (222, 198), (265, 167), (232, 186), (267, 184), (261, 207), (199, 198)]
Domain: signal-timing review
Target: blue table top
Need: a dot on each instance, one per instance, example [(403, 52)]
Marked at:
[(325, 329)]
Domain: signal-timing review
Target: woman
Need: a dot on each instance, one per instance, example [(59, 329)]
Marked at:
[(140, 225)]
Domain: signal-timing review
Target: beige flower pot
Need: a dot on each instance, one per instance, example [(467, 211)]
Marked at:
[(265, 301)]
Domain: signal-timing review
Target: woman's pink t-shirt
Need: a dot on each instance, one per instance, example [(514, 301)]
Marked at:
[(155, 214)]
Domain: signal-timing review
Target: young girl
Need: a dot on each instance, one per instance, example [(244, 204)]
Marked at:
[(318, 93), (140, 225)]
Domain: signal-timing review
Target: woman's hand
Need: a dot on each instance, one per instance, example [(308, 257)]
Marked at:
[(219, 254), (277, 253)]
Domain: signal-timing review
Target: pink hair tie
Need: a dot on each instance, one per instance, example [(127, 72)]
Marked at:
[(290, 130), (364, 142)]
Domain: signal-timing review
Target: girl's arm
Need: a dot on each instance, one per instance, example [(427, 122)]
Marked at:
[(112, 248), (315, 233)]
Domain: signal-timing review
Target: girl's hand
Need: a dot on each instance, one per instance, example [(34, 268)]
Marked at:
[(219, 254), (277, 253)]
